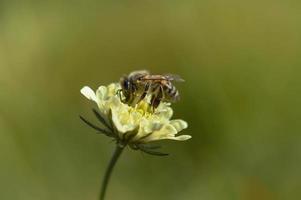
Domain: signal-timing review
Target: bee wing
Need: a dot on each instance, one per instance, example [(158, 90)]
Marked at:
[(174, 77)]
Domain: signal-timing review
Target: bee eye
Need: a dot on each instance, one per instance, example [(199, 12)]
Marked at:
[(126, 84)]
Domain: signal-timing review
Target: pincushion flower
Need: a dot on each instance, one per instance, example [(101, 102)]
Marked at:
[(133, 125)]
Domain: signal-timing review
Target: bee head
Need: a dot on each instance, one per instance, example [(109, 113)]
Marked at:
[(125, 83)]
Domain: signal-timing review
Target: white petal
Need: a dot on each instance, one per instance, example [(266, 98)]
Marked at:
[(113, 88), (123, 119), (146, 127), (179, 124), (167, 131), (101, 93), (88, 93), (164, 111), (180, 138)]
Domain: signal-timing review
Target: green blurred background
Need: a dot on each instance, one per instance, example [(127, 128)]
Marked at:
[(241, 62)]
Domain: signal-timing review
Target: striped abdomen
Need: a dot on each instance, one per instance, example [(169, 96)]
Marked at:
[(170, 92)]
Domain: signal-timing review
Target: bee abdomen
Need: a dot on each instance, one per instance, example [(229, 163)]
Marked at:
[(171, 92)]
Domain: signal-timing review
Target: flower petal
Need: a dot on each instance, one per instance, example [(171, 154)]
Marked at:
[(123, 119), (113, 88), (164, 111), (146, 127), (167, 131), (179, 124), (102, 93), (180, 138), (88, 93)]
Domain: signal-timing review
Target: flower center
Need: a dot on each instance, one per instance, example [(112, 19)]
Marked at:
[(144, 108), (136, 103)]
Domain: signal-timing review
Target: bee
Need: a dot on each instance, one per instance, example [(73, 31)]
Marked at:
[(138, 84)]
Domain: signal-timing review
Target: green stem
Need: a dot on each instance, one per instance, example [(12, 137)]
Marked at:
[(106, 178)]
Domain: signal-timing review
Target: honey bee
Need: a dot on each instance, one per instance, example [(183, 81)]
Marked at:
[(138, 84)]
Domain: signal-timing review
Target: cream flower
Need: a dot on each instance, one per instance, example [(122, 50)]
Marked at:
[(134, 125)]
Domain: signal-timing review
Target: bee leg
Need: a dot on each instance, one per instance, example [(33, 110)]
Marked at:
[(156, 99), (152, 103), (119, 95), (145, 91), (156, 102), (124, 98), (131, 95)]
